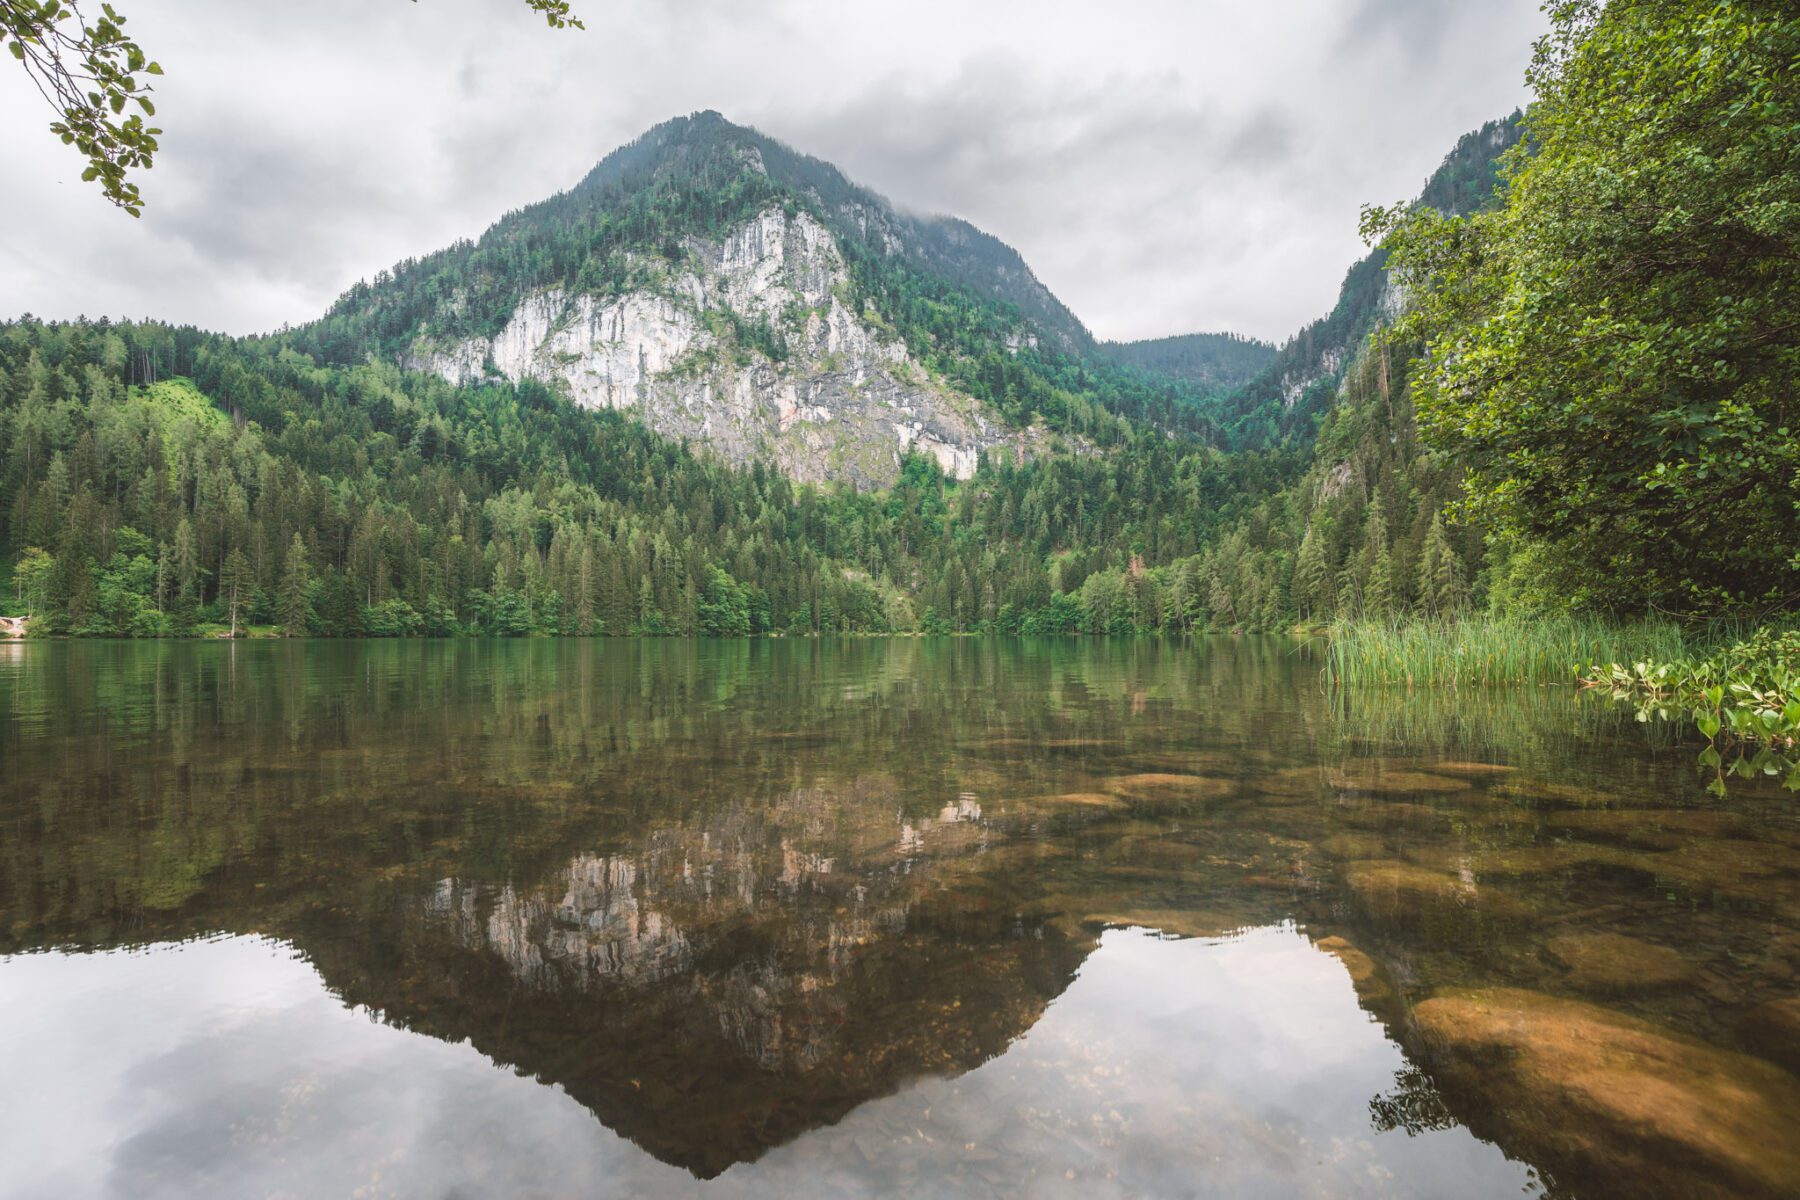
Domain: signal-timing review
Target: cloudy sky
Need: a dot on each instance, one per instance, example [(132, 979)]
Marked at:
[(1165, 165)]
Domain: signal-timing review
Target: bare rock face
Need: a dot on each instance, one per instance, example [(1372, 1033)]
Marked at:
[(1599, 1096), (689, 356)]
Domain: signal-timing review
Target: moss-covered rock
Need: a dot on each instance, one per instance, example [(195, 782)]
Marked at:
[(1613, 963), (1597, 1097)]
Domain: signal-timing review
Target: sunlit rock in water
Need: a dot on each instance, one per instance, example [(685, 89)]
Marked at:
[(1089, 802), (1613, 963), (1155, 789), (1470, 770), (1399, 893), (1389, 778), (1602, 1097), (1370, 986), (1653, 829), (861, 917)]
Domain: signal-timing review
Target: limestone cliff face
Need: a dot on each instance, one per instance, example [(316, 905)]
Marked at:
[(699, 356)]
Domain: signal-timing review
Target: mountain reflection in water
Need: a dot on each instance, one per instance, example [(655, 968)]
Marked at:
[(854, 917)]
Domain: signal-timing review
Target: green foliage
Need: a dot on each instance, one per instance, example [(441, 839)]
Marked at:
[(371, 501), (294, 604), (1481, 652), (725, 607), (1744, 699), (1612, 350), (88, 72), (1216, 362), (31, 576)]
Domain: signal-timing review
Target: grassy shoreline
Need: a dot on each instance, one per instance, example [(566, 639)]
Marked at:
[(1481, 651), (1740, 689)]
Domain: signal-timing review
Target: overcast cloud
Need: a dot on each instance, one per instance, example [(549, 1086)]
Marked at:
[(1164, 165)]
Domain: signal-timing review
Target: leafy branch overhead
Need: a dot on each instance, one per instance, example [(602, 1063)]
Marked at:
[(91, 75)]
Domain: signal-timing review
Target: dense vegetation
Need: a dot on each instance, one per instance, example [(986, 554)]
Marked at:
[(1216, 362), (1744, 697), (1614, 350), (1604, 366), (156, 480), (1605, 362)]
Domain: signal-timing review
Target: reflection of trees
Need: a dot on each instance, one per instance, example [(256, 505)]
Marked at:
[(724, 892), (1414, 1105)]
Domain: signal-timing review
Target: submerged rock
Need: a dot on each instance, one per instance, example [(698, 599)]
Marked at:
[(1773, 1031), (1396, 777), (1354, 846), (1612, 962), (1391, 778), (1469, 770), (1163, 788), (1291, 782), (1596, 1097), (1401, 893), (1079, 801), (1554, 858), (1651, 828), (1365, 976)]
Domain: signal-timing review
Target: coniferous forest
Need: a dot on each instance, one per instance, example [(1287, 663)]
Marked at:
[(751, 695), (161, 481)]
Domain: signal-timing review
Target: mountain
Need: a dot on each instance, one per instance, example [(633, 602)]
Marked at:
[(157, 480), (733, 292), (1282, 402), (1214, 362)]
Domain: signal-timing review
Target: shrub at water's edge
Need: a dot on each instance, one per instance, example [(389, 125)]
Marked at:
[(1742, 692), (1744, 698)]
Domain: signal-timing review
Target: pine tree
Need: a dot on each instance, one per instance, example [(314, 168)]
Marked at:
[(584, 588), (237, 579), (1378, 590), (1443, 585), (295, 602), (187, 564), (1310, 576)]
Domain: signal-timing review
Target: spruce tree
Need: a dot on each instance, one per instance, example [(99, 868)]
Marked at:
[(1443, 586), (294, 604), (1310, 576), (1378, 591), (236, 581)]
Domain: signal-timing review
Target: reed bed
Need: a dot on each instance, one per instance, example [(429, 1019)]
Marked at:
[(1478, 652)]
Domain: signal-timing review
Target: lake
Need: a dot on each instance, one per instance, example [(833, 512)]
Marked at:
[(954, 917)]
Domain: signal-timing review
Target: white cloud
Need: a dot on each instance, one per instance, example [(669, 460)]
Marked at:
[(1165, 165)]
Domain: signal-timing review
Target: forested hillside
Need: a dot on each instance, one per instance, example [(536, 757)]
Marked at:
[(1214, 362), (159, 479), (964, 304), (1285, 400)]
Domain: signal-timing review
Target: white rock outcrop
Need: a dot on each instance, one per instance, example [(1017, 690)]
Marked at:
[(844, 402)]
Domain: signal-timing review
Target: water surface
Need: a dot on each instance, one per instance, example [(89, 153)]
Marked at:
[(959, 917)]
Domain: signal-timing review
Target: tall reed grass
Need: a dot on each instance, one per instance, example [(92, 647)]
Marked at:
[(1481, 651)]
